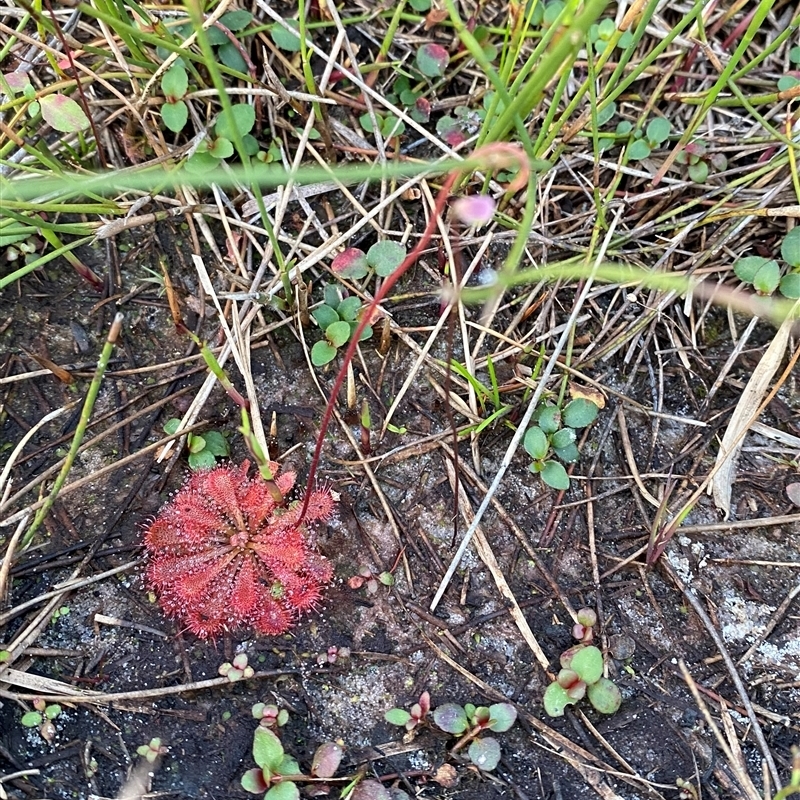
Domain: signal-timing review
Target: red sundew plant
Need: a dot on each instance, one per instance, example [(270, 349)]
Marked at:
[(224, 554)]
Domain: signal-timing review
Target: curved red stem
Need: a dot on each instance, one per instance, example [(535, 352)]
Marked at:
[(390, 281)]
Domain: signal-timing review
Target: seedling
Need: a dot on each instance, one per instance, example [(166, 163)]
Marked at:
[(765, 273), (389, 125), (221, 37), (219, 145), (58, 614), (333, 654), (656, 133), (554, 436), (581, 674), (337, 317), (366, 577), (204, 449), (602, 33), (278, 774), (698, 161), (42, 718), (432, 60), (238, 670), (270, 716), (150, 752), (467, 722), (384, 257)]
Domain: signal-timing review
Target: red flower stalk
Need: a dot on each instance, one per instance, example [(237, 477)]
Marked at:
[(225, 555)]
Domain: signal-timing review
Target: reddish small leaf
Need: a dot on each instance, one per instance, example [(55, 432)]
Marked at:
[(432, 60), (350, 263), (793, 493), (63, 113)]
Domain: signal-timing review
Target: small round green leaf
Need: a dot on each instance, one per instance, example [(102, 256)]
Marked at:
[(385, 257), (230, 55), (236, 20), (285, 39), (698, 172), (605, 696), (657, 130), (550, 419), (484, 753), (569, 454), (746, 268), (790, 286), (555, 475), (556, 700), (221, 148), (351, 263), (175, 115), (787, 82), (32, 719), (579, 413), (216, 443), (253, 781), (171, 425), (397, 716), (322, 353), (349, 308), (338, 333), (790, 247), (267, 749), (606, 113), (196, 443), (432, 60), (535, 443), (201, 163), (242, 117), (63, 113), (325, 316), (588, 664), (201, 460), (285, 790), (563, 438), (502, 716), (767, 278), (175, 82), (638, 150), (451, 718)]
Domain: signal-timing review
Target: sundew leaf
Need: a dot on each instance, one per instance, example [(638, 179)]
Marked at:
[(63, 113), (385, 257), (285, 39), (432, 60), (484, 753)]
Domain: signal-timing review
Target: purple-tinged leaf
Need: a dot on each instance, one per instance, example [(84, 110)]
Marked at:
[(432, 60), (451, 718), (484, 753), (326, 760), (351, 263), (63, 113)]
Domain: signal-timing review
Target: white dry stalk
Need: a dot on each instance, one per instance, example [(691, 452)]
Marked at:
[(525, 421), (744, 415)]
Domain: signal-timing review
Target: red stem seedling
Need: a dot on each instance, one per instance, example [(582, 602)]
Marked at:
[(495, 156)]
